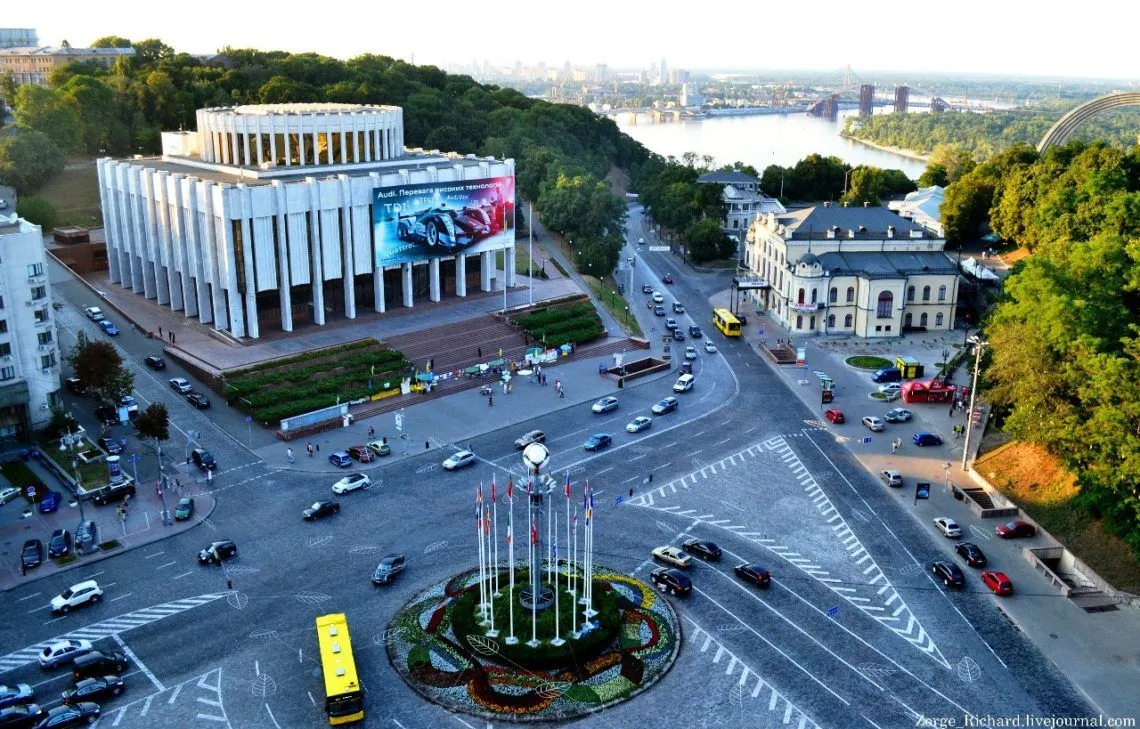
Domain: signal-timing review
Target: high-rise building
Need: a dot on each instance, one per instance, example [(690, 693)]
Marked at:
[(18, 38), (663, 72), (602, 73)]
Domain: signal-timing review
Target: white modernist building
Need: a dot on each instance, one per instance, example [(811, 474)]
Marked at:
[(29, 353), (743, 200), (862, 271), (264, 217)]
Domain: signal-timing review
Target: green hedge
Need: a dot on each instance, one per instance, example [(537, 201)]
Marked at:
[(306, 357), (550, 316)]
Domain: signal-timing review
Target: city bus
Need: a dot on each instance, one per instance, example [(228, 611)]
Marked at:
[(728, 324), (344, 700)]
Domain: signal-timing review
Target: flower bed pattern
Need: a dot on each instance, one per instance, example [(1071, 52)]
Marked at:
[(423, 649)]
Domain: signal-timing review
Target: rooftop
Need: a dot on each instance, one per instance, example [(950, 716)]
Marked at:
[(887, 265), (732, 177), (868, 223), (303, 108), (65, 51)]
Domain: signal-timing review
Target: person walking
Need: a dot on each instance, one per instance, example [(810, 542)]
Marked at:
[(894, 446), (490, 401), (479, 352), (160, 332), (371, 432), (289, 455), (173, 340)]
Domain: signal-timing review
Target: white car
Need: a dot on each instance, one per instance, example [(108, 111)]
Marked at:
[(605, 405), (129, 402), (94, 313), (873, 424), (690, 352), (63, 651), (78, 594), (710, 347), (658, 298), (8, 494), (890, 388), (458, 460), (351, 482), (948, 527), (180, 384), (638, 424), (891, 478), (674, 556)]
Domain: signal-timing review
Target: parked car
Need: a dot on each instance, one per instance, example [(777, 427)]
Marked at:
[(94, 313), (835, 415), (129, 402), (154, 362), (972, 553), (670, 323), (873, 424), (998, 582), (320, 509), (667, 278), (534, 436), (891, 478), (180, 385), (658, 297), (607, 404), (60, 543), (923, 438), (218, 551), (756, 574), (388, 570), (50, 502), (598, 441), (665, 406), (702, 548), (108, 327), (670, 580), (198, 400), (63, 651), (887, 374), (646, 289), (352, 482), (9, 494), (85, 712), (99, 663), (898, 415), (1015, 530), (890, 388), (948, 527), (107, 414), (75, 386), (672, 555), (710, 348), (695, 331), (32, 555), (17, 693), (690, 352), (111, 445), (20, 716), (380, 447), (659, 310), (113, 492), (361, 453), (638, 424), (185, 508), (950, 574), (201, 458), (458, 460), (340, 459), (94, 689), (678, 307)]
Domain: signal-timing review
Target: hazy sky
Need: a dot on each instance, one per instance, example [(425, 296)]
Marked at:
[(979, 36)]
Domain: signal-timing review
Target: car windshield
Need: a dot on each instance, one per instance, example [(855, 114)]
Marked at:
[(316, 505), (66, 594)]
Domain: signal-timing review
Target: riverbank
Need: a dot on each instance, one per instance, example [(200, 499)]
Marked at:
[(900, 151)]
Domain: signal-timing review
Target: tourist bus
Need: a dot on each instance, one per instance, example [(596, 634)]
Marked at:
[(344, 700), (728, 324)]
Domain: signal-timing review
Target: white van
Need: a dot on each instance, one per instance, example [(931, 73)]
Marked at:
[(684, 383)]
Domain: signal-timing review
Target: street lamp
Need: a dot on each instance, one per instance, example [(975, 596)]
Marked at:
[(945, 360), (979, 345)]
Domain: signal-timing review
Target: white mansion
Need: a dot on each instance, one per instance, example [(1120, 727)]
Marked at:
[(851, 270)]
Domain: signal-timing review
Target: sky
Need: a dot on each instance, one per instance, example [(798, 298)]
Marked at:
[(1001, 37)]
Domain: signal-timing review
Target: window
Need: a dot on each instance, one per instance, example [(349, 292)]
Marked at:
[(41, 315), (1, 302), (847, 322), (814, 295), (850, 294), (47, 360), (908, 320), (801, 297), (926, 293), (923, 319), (44, 337), (831, 320), (7, 373), (833, 295), (811, 323), (35, 269), (938, 320), (910, 293), (886, 304), (5, 349), (3, 325), (799, 321), (941, 293), (39, 292)]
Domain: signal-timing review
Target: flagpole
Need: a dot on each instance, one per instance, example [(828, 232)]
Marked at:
[(590, 612), (557, 620), (495, 527), (549, 563), (479, 534), (573, 593), (492, 633), (533, 598), (511, 639)]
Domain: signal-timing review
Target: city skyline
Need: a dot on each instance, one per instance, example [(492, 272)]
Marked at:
[(982, 31)]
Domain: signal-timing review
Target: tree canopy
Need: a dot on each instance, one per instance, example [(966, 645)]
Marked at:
[(97, 365)]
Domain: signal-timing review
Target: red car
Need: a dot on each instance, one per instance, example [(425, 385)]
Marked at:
[(1015, 529), (361, 453), (835, 416), (998, 582)]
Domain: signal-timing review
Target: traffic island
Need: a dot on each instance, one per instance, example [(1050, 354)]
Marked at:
[(448, 651)]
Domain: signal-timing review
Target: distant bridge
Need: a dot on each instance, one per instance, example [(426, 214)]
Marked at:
[(1066, 125)]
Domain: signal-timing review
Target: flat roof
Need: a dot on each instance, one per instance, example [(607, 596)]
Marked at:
[(889, 264)]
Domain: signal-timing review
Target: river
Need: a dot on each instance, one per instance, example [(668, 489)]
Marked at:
[(764, 139)]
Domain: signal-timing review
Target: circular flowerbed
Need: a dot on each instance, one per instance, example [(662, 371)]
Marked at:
[(868, 362), (437, 644)]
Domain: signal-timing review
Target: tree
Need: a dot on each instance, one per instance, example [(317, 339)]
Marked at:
[(954, 159), (48, 111), (37, 210), (29, 160), (934, 174), (153, 422), (97, 365), (111, 41), (706, 241)]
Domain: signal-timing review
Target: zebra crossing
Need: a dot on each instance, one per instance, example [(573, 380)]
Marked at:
[(201, 697), (109, 627), (701, 474)]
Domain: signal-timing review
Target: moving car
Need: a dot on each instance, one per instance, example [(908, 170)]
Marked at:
[(75, 386), (670, 580), (890, 388), (873, 424), (598, 441), (63, 651), (198, 400), (85, 712), (898, 415), (638, 424), (684, 383), (756, 574), (380, 447), (923, 438), (94, 313), (998, 582), (658, 297), (667, 405), (361, 453), (154, 362), (94, 689), (129, 402), (111, 445), (670, 323), (948, 527), (950, 574), (185, 508), (534, 436), (892, 478), (667, 278), (607, 404), (217, 552), (678, 307), (659, 310), (180, 385), (32, 554), (99, 663), (201, 458), (1015, 530), (458, 460), (972, 553), (444, 227), (702, 548), (389, 568), (60, 543), (646, 289), (50, 502), (690, 352), (340, 459), (9, 494), (695, 331), (113, 492), (672, 555), (835, 415), (108, 328), (20, 716), (352, 482), (678, 335), (19, 693), (710, 347), (320, 509), (887, 374)]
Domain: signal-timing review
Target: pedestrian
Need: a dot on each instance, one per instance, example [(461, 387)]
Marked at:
[(490, 401), (561, 393), (371, 432), (289, 454), (318, 447), (160, 332), (173, 339), (951, 409), (177, 483), (631, 492), (894, 446), (651, 477), (427, 445), (309, 448), (479, 351)]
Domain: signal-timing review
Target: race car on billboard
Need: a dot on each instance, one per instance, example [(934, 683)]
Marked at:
[(444, 227)]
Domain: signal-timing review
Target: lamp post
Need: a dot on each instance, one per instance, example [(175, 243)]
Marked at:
[(979, 345), (845, 174), (945, 362)]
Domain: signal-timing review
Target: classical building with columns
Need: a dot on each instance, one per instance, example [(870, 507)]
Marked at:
[(265, 216)]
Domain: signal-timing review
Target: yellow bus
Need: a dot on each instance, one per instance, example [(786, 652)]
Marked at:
[(344, 700), (728, 324)]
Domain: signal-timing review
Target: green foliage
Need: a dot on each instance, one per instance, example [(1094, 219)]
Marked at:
[(871, 185), (97, 365), (37, 210), (706, 241), (868, 362), (934, 174), (28, 160), (153, 422), (814, 177), (61, 421), (49, 112), (968, 202), (568, 325)]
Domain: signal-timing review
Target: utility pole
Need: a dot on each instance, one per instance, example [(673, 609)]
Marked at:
[(979, 345), (162, 484)]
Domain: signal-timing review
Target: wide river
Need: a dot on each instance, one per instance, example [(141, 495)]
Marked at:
[(763, 139)]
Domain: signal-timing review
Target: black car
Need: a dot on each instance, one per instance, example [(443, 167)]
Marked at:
[(32, 554), (111, 445), (155, 363), (388, 569), (444, 227), (950, 574), (670, 580), (201, 458), (695, 332), (646, 289), (99, 663), (667, 278), (198, 400), (754, 573), (702, 548), (320, 509), (678, 335), (218, 551), (94, 689), (21, 716), (19, 693), (85, 712), (107, 414), (75, 386), (60, 544), (741, 318), (972, 553), (114, 492)]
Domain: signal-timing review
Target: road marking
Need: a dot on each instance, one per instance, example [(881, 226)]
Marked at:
[(165, 565), (55, 620), (174, 694), (599, 473), (151, 556), (36, 610), (29, 597), (120, 597), (146, 706), (91, 577), (178, 577), (131, 655), (271, 717)]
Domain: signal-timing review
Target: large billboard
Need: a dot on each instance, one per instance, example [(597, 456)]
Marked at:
[(414, 222)]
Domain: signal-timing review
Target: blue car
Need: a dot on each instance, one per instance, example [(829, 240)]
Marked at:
[(923, 438), (108, 328), (50, 502), (340, 459), (598, 441)]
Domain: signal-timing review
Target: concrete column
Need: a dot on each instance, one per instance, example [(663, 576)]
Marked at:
[(316, 148), (348, 263), (367, 141), (406, 269), (260, 149), (378, 290), (344, 147), (433, 279), (272, 139), (282, 235), (107, 198), (288, 137), (509, 263), (173, 262), (235, 153), (461, 274), (246, 251), (487, 264), (244, 137), (186, 227), (315, 243), (356, 135)]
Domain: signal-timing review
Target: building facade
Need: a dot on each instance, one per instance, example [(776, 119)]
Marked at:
[(860, 271), (29, 353), (743, 201), (34, 64), (18, 37), (282, 215)]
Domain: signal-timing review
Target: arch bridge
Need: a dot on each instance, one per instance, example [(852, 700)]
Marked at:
[(1060, 132)]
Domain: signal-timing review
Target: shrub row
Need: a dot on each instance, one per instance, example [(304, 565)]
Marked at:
[(306, 357), (545, 318), (578, 322), (577, 336), (384, 359), (324, 386)]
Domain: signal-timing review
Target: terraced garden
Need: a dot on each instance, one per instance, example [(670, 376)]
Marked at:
[(554, 327)]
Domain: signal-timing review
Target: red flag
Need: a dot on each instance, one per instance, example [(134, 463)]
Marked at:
[(508, 533), (486, 522), (533, 532), (567, 484), (529, 485), (493, 489), (510, 488), (479, 494)]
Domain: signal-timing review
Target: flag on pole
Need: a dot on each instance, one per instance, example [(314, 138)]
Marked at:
[(567, 484), (508, 533), (486, 522), (533, 532), (529, 486), (575, 522), (586, 494), (510, 488), (493, 499)]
